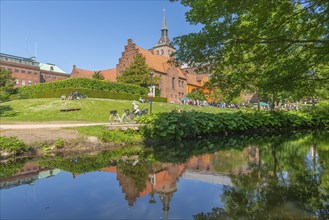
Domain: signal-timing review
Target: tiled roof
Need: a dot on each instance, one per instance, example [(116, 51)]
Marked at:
[(191, 80), (81, 73), (154, 61), (109, 74), (200, 77), (181, 74)]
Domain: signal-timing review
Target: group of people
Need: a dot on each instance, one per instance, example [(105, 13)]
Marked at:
[(71, 96)]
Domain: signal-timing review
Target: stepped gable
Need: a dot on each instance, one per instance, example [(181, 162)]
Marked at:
[(109, 74)]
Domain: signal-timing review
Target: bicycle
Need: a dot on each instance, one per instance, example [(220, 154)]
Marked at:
[(114, 117), (127, 116)]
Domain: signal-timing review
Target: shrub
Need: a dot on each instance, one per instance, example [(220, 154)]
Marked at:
[(90, 87), (56, 93), (189, 125), (12, 144), (59, 143), (82, 83)]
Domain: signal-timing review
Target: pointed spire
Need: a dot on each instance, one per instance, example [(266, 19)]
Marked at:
[(164, 25), (164, 39)]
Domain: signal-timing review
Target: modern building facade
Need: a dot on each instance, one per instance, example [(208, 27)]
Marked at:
[(28, 71)]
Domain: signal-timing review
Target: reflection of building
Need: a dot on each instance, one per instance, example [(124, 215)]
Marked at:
[(28, 174)]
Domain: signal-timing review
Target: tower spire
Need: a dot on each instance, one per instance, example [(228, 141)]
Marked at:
[(164, 39), (164, 25)]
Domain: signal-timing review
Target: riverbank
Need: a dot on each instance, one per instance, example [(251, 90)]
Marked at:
[(59, 139)]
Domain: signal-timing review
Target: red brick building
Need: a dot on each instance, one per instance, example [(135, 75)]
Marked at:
[(25, 70), (174, 83), (28, 71)]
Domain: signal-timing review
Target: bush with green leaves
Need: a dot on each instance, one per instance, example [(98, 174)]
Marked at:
[(190, 125), (82, 83), (57, 93), (92, 88), (12, 144)]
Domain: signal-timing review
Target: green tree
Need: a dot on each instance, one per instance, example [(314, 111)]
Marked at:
[(7, 83), (196, 95), (98, 75), (137, 73), (267, 47)]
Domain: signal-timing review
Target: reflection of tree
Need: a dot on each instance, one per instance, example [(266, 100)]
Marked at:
[(138, 173), (290, 181)]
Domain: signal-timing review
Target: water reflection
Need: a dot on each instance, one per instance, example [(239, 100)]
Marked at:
[(259, 177)]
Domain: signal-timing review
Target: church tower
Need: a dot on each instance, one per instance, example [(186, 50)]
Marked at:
[(164, 47)]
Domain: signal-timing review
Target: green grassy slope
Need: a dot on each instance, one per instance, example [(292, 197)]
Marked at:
[(95, 110)]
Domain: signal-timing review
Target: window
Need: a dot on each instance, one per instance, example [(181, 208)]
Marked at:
[(29, 72), (48, 77), (157, 52), (16, 70), (23, 71), (17, 81), (173, 83), (178, 83), (23, 82), (29, 82), (179, 95), (182, 83), (162, 52), (35, 73)]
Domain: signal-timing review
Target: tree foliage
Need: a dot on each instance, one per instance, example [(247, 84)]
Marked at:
[(273, 48), (98, 75), (7, 83), (137, 73), (196, 95)]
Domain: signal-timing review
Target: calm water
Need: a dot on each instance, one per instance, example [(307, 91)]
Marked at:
[(249, 177)]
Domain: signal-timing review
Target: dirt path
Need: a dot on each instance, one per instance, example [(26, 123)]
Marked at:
[(47, 131)]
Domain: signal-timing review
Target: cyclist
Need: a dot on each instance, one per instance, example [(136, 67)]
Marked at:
[(135, 109)]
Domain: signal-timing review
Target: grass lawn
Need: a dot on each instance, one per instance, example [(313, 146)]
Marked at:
[(92, 110)]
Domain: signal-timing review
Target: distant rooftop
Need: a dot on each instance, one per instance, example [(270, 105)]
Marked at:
[(20, 60), (51, 68)]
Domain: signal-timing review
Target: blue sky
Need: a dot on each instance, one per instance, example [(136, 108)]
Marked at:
[(89, 34)]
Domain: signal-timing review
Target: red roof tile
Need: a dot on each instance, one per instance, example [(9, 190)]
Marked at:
[(109, 74)]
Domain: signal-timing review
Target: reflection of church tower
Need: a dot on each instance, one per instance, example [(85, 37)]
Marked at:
[(164, 47), (165, 199)]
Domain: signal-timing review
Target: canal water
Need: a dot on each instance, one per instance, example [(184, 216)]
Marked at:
[(270, 176)]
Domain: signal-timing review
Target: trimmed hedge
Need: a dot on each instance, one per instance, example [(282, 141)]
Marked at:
[(93, 88), (189, 125), (57, 93), (92, 84)]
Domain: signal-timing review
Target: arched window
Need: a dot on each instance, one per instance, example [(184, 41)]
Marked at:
[(173, 83), (162, 52), (157, 52)]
